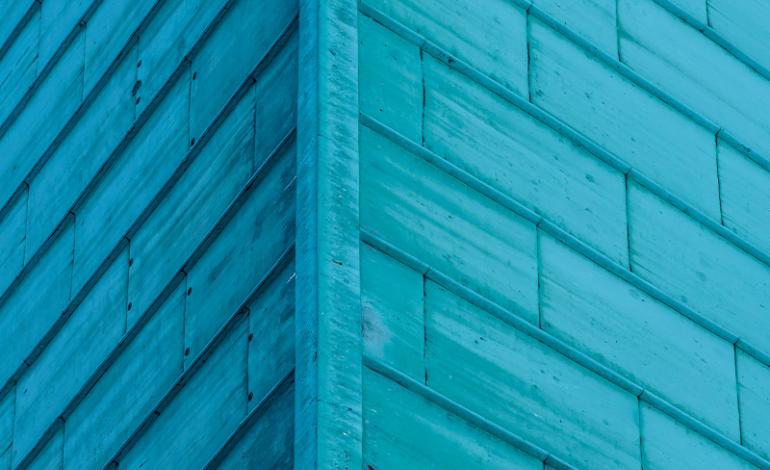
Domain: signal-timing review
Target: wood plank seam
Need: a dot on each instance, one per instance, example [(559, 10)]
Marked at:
[(565, 237), (281, 387), (516, 321), (192, 154), (240, 313), (567, 131)]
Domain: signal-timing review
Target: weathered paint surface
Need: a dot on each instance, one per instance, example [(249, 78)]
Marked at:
[(516, 234), (147, 233), (577, 268)]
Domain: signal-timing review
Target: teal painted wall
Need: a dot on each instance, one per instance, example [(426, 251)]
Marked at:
[(565, 259), (384, 234), (147, 233)]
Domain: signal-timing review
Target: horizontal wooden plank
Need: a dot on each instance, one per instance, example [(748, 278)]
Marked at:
[(609, 109), (191, 208), (50, 458), (416, 207), (80, 155), (490, 34), (390, 78), (18, 66), (33, 130), (13, 229), (754, 393), (168, 37), (57, 19), (125, 394), (35, 304), (107, 30), (271, 336), (694, 8), (405, 430), (392, 312), (7, 410), (245, 250), (217, 75), (668, 444), (527, 388), (197, 421), (275, 101), (11, 16), (131, 183), (268, 442), (744, 195), (647, 342), (746, 24), (595, 20), (82, 344), (699, 268), (698, 72), (506, 148)]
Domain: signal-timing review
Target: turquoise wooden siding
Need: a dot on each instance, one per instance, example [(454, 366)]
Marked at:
[(564, 245), (384, 234), (147, 233)]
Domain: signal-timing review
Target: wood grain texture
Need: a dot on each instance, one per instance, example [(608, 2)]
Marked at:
[(404, 430), (668, 444), (526, 387), (504, 147), (630, 332), (424, 211), (644, 132), (491, 34), (698, 72), (699, 268)]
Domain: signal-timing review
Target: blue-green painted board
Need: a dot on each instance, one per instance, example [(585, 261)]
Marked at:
[(57, 19), (216, 76), (746, 24), (11, 16), (83, 343), (699, 268), (526, 387), (191, 208), (632, 333), (106, 31), (744, 195), (245, 250), (503, 146), (168, 37), (197, 421), (390, 79), (595, 20), (269, 440), (405, 430), (81, 154), (50, 458), (35, 304), (667, 444), (33, 130), (126, 393), (754, 393), (434, 217), (491, 34), (271, 333), (392, 312), (698, 71), (18, 66), (647, 134), (129, 185), (12, 240)]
